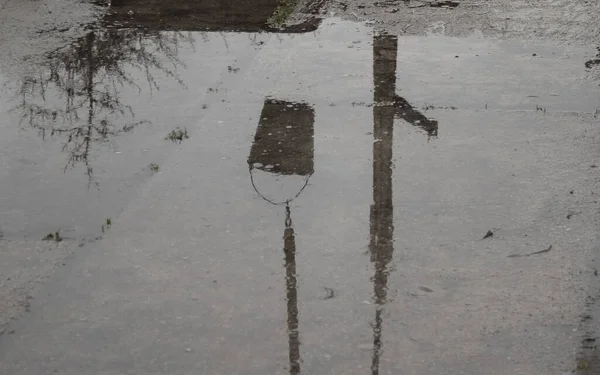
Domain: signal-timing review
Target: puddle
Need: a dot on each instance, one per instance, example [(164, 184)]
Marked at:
[(376, 163)]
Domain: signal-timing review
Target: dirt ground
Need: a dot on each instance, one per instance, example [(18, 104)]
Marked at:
[(574, 21)]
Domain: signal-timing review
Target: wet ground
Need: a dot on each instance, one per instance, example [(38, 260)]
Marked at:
[(279, 199)]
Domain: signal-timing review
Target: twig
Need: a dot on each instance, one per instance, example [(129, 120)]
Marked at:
[(490, 233), (529, 254), (405, 28)]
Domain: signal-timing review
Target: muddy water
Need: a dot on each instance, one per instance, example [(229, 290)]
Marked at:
[(326, 215)]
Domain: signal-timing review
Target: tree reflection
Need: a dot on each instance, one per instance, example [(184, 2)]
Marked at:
[(75, 92)]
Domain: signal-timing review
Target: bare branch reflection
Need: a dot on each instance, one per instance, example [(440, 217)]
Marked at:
[(75, 93)]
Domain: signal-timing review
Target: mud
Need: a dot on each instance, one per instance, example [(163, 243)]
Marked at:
[(559, 20)]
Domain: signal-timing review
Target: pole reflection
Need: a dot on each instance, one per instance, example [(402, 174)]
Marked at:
[(284, 146), (289, 249), (387, 105)]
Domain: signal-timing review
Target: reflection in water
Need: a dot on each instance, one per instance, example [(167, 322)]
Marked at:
[(289, 249), (75, 93), (382, 227), (213, 15), (284, 140), (284, 146), (387, 105), (409, 114)]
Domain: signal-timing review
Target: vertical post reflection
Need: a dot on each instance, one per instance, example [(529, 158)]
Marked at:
[(289, 249), (284, 146), (386, 106), (385, 49)]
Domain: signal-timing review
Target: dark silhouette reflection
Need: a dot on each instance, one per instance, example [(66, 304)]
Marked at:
[(385, 50), (411, 115), (284, 146), (386, 106), (289, 249), (284, 142), (382, 227), (75, 93), (212, 15)]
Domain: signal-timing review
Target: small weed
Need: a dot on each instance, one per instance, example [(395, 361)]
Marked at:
[(540, 109), (282, 13), (582, 364), (56, 237), (231, 69), (177, 135), (204, 106), (107, 224), (154, 167)]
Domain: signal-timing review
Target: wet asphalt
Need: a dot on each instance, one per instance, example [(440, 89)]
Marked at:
[(338, 201)]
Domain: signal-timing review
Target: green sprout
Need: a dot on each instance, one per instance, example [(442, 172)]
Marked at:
[(107, 224), (177, 135), (282, 13)]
